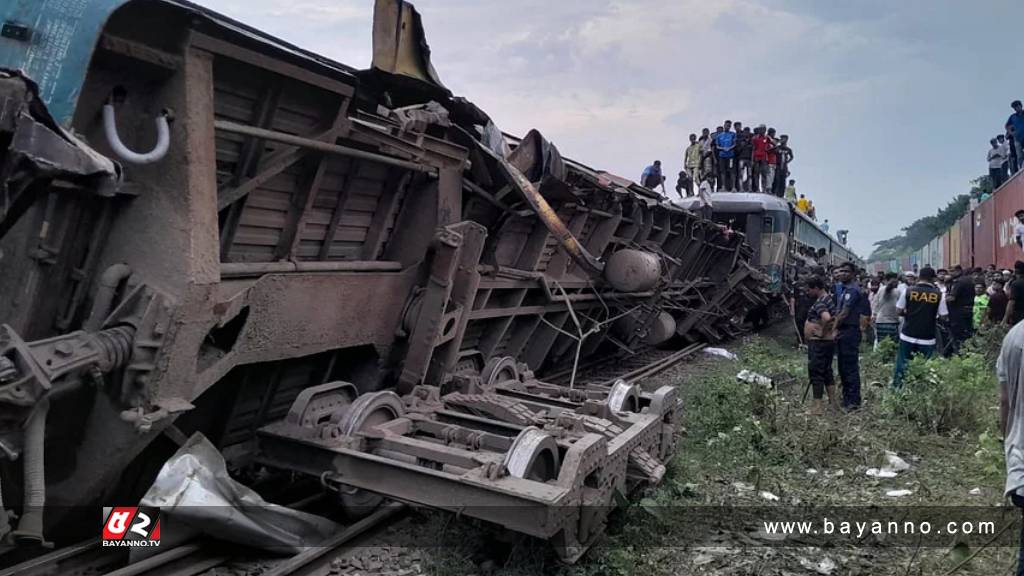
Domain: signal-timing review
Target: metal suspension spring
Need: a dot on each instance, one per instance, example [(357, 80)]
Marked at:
[(115, 345)]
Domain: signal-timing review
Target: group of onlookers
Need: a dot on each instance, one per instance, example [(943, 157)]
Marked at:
[(1006, 152), (925, 311), (733, 158)]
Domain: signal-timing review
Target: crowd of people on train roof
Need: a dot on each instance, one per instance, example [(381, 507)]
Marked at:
[(1006, 150), (734, 158)]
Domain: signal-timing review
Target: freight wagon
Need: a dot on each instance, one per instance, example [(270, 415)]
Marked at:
[(346, 274), (984, 236)]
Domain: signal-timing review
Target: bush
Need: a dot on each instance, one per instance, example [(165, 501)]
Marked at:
[(946, 395), (718, 405)]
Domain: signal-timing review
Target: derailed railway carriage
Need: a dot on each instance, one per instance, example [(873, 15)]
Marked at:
[(347, 274)]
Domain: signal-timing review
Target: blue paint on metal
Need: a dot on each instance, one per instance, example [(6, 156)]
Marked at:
[(56, 56)]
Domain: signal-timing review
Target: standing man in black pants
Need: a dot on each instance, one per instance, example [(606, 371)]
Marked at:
[(960, 299), (820, 336), (847, 301)]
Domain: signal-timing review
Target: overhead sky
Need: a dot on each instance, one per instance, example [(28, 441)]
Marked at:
[(889, 104)]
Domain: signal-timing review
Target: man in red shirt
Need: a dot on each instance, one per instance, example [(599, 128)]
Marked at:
[(760, 143), (773, 162)]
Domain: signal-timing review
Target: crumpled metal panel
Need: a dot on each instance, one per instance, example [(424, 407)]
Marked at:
[(399, 44), (58, 48), (196, 496)]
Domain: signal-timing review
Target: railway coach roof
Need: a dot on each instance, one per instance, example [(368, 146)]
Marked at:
[(741, 202), (52, 41)]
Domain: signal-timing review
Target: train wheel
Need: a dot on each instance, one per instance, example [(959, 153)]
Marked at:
[(367, 411), (533, 456)]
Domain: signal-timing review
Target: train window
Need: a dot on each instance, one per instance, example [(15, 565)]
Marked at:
[(768, 224)]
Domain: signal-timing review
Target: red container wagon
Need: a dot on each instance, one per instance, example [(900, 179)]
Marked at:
[(985, 233), (1009, 200)]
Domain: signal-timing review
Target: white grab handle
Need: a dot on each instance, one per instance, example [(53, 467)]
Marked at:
[(163, 139)]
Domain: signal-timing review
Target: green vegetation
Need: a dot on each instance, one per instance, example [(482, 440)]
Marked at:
[(741, 440)]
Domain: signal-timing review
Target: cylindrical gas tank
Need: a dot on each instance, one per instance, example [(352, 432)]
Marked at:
[(632, 270), (661, 329)]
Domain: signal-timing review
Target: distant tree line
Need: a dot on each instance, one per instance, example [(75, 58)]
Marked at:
[(922, 230)]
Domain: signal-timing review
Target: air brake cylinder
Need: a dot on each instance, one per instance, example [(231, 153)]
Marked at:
[(631, 270)]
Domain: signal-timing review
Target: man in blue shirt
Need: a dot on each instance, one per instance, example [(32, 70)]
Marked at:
[(849, 303), (652, 177), (725, 143), (1016, 121)]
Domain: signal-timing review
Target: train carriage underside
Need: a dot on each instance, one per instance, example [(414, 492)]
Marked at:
[(351, 275)]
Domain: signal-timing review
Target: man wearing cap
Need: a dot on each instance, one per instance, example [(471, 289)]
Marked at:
[(920, 306), (847, 300)]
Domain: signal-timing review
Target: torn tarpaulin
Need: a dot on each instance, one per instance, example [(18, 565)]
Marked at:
[(41, 151), (197, 497)]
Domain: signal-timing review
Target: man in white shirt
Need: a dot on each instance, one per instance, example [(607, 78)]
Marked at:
[(704, 197), (996, 159)]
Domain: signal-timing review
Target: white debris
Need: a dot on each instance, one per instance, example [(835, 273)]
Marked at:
[(895, 463), (812, 471), (743, 486), (881, 473), (824, 566), (769, 496), (835, 473), (754, 378), (975, 492), (898, 493), (721, 353)]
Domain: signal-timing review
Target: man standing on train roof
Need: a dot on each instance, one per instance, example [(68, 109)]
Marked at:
[(847, 297), (726, 145), (704, 198), (803, 204), (652, 177), (1016, 122), (692, 160), (791, 192), (824, 226)]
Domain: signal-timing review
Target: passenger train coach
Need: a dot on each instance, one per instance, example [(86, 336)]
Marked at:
[(780, 235)]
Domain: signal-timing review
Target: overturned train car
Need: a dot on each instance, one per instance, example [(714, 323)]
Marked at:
[(348, 274)]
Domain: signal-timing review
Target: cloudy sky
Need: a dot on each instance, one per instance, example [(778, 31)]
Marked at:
[(889, 104)]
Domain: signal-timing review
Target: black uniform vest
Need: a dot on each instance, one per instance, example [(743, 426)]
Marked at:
[(922, 307)]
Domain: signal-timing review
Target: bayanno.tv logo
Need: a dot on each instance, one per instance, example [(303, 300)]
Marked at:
[(131, 526)]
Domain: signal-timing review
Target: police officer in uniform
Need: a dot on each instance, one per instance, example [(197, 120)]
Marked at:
[(920, 305), (848, 297)]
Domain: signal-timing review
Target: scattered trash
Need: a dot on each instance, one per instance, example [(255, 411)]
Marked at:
[(895, 463), (702, 559), (720, 352), (812, 471), (881, 473), (743, 486), (975, 492), (769, 496), (824, 566), (834, 473), (193, 490), (754, 378), (898, 493)]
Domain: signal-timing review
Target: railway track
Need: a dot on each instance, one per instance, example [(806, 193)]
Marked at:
[(88, 558), (632, 369)]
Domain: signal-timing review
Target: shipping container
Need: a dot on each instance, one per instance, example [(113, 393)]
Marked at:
[(1009, 199), (985, 233), (954, 246), (966, 225)]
